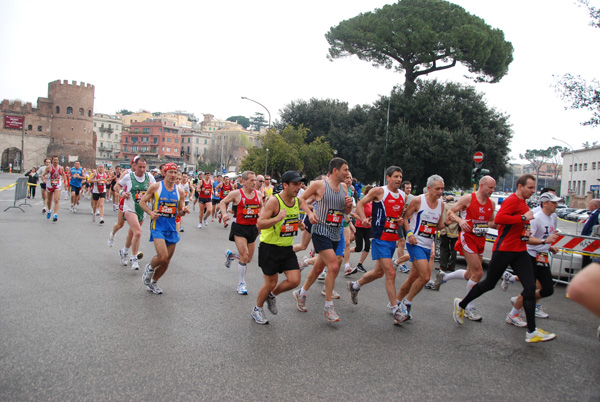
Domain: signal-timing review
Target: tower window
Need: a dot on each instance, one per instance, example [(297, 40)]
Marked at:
[(69, 110), (81, 111), (57, 109)]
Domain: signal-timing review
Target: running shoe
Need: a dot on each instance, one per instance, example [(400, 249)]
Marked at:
[(539, 335), (353, 292), (226, 226), (505, 280), (539, 312), (140, 255), (513, 300), (181, 230), (134, 263), (458, 312), (48, 215), (199, 226), (124, 260), (360, 268), (111, 239), (349, 270), (259, 316), (471, 314), (399, 316), (153, 287), (97, 213), (93, 217), (334, 294), (55, 218), (406, 309), (205, 222), (439, 279), (272, 303), (220, 219), (148, 274), (71, 208), (516, 321), (330, 314), (303, 263), (101, 221), (228, 258), (322, 275), (75, 210), (300, 300), (404, 269), (429, 285), (242, 289), (44, 210)]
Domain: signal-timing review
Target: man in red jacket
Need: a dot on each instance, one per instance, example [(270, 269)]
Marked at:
[(510, 248)]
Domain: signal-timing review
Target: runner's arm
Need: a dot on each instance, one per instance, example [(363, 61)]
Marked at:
[(271, 214), (146, 199)]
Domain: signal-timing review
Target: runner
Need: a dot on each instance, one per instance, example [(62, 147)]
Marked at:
[(204, 200), (478, 217), (98, 180), (543, 234), (216, 197), (513, 220), (399, 263), (268, 188), (52, 176), (67, 182), (246, 203), (114, 178), (76, 177), (279, 224), (363, 233), (424, 213), (120, 217), (388, 207), (331, 203), (224, 189), (187, 190), (167, 203), (40, 173), (197, 179), (136, 183)]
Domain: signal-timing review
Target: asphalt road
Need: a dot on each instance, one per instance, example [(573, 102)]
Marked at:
[(76, 325)]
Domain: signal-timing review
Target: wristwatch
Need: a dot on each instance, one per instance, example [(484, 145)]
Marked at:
[(523, 218)]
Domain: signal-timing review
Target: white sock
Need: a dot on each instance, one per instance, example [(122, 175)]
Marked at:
[(513, 312), (328, 304), (458, 274), (242, 272), (355, 285), (302, 291), (470, 285)]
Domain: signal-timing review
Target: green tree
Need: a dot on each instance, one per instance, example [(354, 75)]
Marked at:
[(241, 120), (537, 158), (556, 159), (421, 37), (124, 112), (257, 121)]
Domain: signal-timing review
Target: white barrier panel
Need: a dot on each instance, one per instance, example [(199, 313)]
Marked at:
[(578, 244)]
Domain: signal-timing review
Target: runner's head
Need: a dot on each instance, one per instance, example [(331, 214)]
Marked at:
[(338, 169), (525, 186), (47, 161), (206, 175), (226, 179), (260, 181), (139, 167), (76, 165), (435, 186), (393, 175), (548, 202), (55, 160), (487, 186), (100, 168), (406, 187), (292, 182), (170, 172), (249, 180)]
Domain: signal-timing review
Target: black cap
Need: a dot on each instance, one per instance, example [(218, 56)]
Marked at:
[(293, 177)]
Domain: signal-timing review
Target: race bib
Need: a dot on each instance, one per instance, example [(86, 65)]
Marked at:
[(167, 210), (334, 218), (225, 192), (526, 232), (138, 196), (427, 229), (250, 211), (54, 182), (289, 227), (542, 260), (480, 229), (390, 225), (206, 191)]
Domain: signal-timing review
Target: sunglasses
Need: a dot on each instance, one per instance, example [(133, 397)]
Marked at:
[(261, 181)]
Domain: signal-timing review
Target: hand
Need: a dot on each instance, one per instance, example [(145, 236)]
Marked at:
[(126, 195), (348, 201), (412, 240), (301, 225), (528, 215), (464, 225), (366, 222), (553, 249), (186, 210), (552, 238), (225, 217), (312, 217), (281, 215), (153, 215)]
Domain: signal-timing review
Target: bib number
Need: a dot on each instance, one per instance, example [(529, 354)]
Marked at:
[(480, 229), (526, 232), (138, 196), (390, 226), (167, 210), (250, 211), (427, 230), (334, 218), (542, 260), (289, 227)]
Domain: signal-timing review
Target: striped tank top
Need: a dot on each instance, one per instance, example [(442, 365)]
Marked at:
[(330, 211)]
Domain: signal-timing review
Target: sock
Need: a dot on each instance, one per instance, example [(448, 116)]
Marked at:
[(407, 303), (355, 285), (328, 304), (512, 279), (271, 294), (125, 250), (470, 285), (513, 312), (242, 272), (347, 266), (256, 308), (398, 301), (302, 291), (458, 274)]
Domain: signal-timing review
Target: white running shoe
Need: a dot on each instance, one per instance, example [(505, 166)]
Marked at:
[(199, 226), (124, 260), (539, 312), (148, 274), (505, 280), (516, 321), (111, 239), (259, 316), (134, 263), (242, 289)]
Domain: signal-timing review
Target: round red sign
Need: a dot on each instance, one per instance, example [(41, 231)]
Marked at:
[(478, 157)]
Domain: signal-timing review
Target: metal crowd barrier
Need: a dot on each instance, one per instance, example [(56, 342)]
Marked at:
[(567, 262), (21, 189)]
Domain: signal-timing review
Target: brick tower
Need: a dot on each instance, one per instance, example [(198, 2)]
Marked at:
[(72, 111)]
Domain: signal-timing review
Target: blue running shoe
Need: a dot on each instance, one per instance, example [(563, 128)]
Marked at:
[(48, 215), (228, 258)]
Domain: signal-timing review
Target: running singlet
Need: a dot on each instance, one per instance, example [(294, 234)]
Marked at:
[(215, 194), (247, 209), (283, 232), (269, 191), (186, 191), (513, 232), (53, 180), (165, 203), (225, 190), (479, 215), (423, 222), (205, 189), (386, 213), (100, 185), (137, 192), (329, 211), (76, 181)]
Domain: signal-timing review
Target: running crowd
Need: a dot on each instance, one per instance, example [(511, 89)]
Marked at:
[(332, 213)]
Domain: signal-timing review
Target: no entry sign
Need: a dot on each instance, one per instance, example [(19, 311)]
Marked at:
[(478, 157)]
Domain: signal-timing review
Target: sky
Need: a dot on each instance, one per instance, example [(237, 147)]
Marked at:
[(203, 57)]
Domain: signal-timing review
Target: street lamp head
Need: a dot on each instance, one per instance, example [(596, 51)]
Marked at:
[(243, 97)]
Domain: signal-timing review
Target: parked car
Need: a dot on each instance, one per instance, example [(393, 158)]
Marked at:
[(575, 214), (582, 217), (563, 212)]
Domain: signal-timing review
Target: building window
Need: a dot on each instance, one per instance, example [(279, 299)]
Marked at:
[(176, 141), (593, 165), (134, 149), (144, 149), (101, 135), (136, 130), (109, 136), (188, 150), (575, 167), (124, 148), (69, 110), (58, 110), (126, 139), (30, 127), (168, 139), (101, 145), (205, 141), (155, 140), (39, 128), (116, 126), (585, 166), (168, 149), (583, 190), (189, 139), (81, 111), (580, 165), (197, 140), (89, 113)]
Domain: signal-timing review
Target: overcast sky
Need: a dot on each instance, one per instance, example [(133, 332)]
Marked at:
[(202, 57)]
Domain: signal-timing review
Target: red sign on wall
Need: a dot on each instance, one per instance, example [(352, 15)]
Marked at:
[(13, 121)]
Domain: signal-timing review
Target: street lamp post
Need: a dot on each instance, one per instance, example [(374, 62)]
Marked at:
[(572, 163), (267, 154)]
